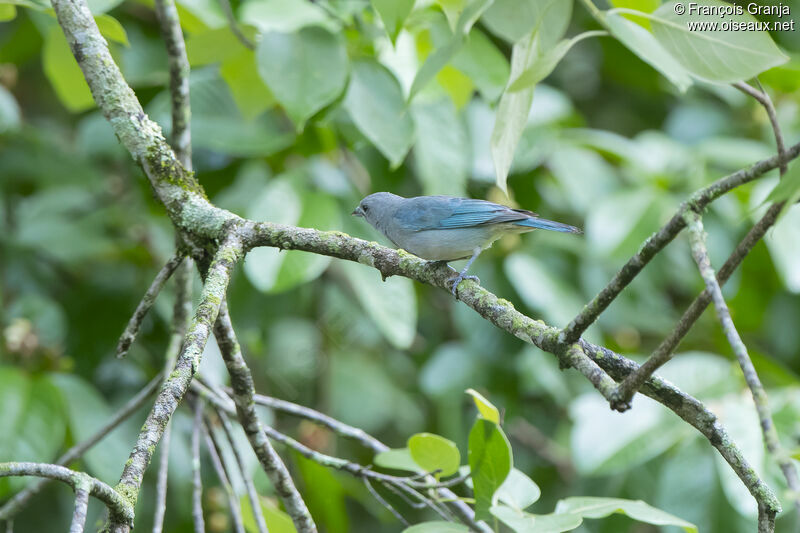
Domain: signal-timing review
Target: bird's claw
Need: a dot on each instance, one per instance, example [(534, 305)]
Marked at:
[(457, 279)]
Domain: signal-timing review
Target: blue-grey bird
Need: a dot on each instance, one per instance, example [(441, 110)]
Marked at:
[(444, 229)]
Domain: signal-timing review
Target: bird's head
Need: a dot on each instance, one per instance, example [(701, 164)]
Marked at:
[(374, 206)]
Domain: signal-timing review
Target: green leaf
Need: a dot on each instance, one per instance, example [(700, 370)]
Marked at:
[(592, 507), (284, 201), (546, 62), (215, 46), (277, 521), (489, 462), (391, 304), (485, 408), (437, 527), (375, 102), (64, 73), (285, 15), (110, 28), (787, 190), (432, 452), (642, 43), (484, 64), (87, 412), (512, 111), (518, 490), (98, 7), (522, 522), (514, 19), (305, 70), (442, 55), (199, 15), (393, 13), (251, 95), (10, 115), (441, 150), (326, 501), (7, 12), (715, 55), (397, 459)]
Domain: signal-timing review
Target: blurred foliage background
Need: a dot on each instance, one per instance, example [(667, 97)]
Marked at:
[(609, 145)]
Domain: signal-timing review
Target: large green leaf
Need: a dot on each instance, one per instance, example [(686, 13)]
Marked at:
[(64, 73), (252, 96), (489, 462), (284, 201), (305, 70), (432, 452), (441, 150), (642, 43), (87, 412), (375, 102), (518, 490), (393, 13), (437, 527), (391, 304), (522, 522), (592, 507), (442, 55), (714, 54), (484, 63), (397, 459), (217, 45), (285, 15), (514, 19)]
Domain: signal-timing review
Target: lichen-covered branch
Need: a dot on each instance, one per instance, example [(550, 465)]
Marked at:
[(700, 253), (198, 521), (147, 301), (171, 32), (81, 507), (656, 242), (121, 510), (15, 504), (176, 385), (215, 453), (666, 349), (243, 393), (250, 488)]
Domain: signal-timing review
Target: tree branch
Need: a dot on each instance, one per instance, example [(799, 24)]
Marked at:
[(656, 242), (215, 452), (120, 509), (149, 298), (167, 15), (244, 391), (700, 253), (198, 521), (81, 507), (15, 504), (174, 388)]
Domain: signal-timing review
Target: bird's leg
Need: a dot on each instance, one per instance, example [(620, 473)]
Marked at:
[(461, 276)]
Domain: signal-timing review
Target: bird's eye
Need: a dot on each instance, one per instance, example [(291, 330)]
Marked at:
[(365, 208)]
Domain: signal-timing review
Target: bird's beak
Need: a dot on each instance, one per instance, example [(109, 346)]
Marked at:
[(358, 212)]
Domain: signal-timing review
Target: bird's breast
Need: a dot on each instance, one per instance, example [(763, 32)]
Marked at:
[(444, 244)]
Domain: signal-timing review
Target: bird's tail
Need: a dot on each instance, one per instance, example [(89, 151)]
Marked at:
[(543, 223)]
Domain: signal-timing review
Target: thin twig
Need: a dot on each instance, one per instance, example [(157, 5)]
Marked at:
[(383, 502), (250, 487), (664, 236), (763, 98), (666, 348), (215, 452), (175, 387), (147, 301), (700, 254), (81, 508), (197, 478), (234, 25), (167, 15), (15, 504), (119, 507), (331, 423), (180, 317), (244, 391), (529, 435)]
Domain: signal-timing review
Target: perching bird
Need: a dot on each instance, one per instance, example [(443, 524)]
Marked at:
[(443, 228)]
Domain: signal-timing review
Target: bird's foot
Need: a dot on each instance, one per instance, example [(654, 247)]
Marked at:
[(457, 279)]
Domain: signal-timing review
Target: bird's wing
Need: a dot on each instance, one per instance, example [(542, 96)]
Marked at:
[(441, 212)]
